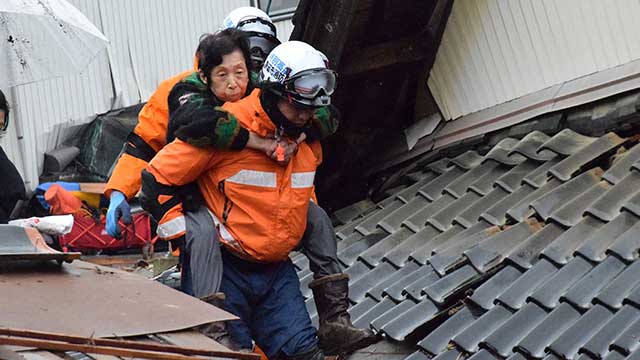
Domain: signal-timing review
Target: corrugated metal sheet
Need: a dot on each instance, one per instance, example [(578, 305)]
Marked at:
[(150, 41), (284, 28), (494, 51)]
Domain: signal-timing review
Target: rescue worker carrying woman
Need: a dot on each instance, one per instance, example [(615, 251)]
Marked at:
[(200, 259), (259, 207)]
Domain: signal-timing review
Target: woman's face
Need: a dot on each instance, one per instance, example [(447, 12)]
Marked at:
[(2, 117), (229, 80)]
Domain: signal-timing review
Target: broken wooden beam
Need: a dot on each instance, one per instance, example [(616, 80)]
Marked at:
[(379, 56), (61, 342)]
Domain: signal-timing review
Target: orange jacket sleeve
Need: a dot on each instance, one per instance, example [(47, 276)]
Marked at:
[(151, 129)]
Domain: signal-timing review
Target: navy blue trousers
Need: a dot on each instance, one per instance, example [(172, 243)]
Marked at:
[(268, 301)]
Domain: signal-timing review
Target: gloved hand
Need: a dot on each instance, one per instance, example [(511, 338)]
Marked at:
[(118, 207)]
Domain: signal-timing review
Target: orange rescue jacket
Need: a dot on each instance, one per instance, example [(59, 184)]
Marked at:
[(152, 126), (259, 207)]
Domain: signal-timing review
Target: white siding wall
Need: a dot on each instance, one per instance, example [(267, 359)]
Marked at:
[(150, 41), (494, 51), (284, 29)]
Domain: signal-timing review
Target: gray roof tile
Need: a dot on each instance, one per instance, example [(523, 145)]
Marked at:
[(613, 355), (526, 253), (623, 165), (362, 307), (392, 222), (437, 340), (459, 186), (496, 214), (512, 179), (493, 250), (349, 255), (633, 205), (471, 215), (452, 354), (443, 218), (433, 189), (484, 355), (628, 340), (358, 289), (568, 344), (399, 255), (513, 330), (582, 292), (441, 290), (349, 240), (376, 292), (418, 355), (502, 150), (356, 271), (622, 286), (545, 205), (485, 295), (418, 220), (467, 160), (539, 176), (517, 356), (549, 293), (369, 224), (529, 145), (514, 297), (470, 337), (602, 146), (571, 213), (595, 246), (561, 250), (598, 345), (410, 192), (451, 253), (374, 312), (373, 255), (396, 290), (634, 297), (354, 211), (566, 142), (407, 322), (534, 343), (522, 210), (608, 205), (440, 166), (626, 245), (391, 314), (422, 253), (414, 289)]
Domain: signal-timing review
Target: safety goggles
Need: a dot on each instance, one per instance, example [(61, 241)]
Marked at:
[(260, 45), (310, 84), (257, 25)]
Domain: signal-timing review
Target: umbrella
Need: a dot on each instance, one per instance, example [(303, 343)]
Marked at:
[(41, 39)]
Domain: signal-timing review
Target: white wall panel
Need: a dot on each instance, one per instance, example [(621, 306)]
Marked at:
[(284, 29), (150, 40), (494, 51)]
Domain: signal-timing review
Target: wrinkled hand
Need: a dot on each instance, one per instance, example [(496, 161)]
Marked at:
[(118, 208)]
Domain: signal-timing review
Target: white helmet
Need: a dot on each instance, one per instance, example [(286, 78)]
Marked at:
[(262, 33), (301, 73)]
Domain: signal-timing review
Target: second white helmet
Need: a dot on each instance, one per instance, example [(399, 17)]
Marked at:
[(262, 33), (296, 70)]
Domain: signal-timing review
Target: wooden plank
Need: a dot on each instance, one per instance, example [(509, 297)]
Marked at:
[(95, 349), (57, 341), (42, 355), (378, 56), (192, 339), (7, 354)]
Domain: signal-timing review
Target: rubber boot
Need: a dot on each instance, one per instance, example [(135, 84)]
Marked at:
[(336, 333)]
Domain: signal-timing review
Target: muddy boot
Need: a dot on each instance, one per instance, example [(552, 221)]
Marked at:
[(336, 334)]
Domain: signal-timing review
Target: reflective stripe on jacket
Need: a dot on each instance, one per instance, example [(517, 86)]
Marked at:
[(259, 207)]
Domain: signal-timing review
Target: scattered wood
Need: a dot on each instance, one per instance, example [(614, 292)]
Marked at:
[(61, 342)]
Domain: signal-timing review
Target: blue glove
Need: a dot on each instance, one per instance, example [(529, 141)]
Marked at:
[(118, 207)]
